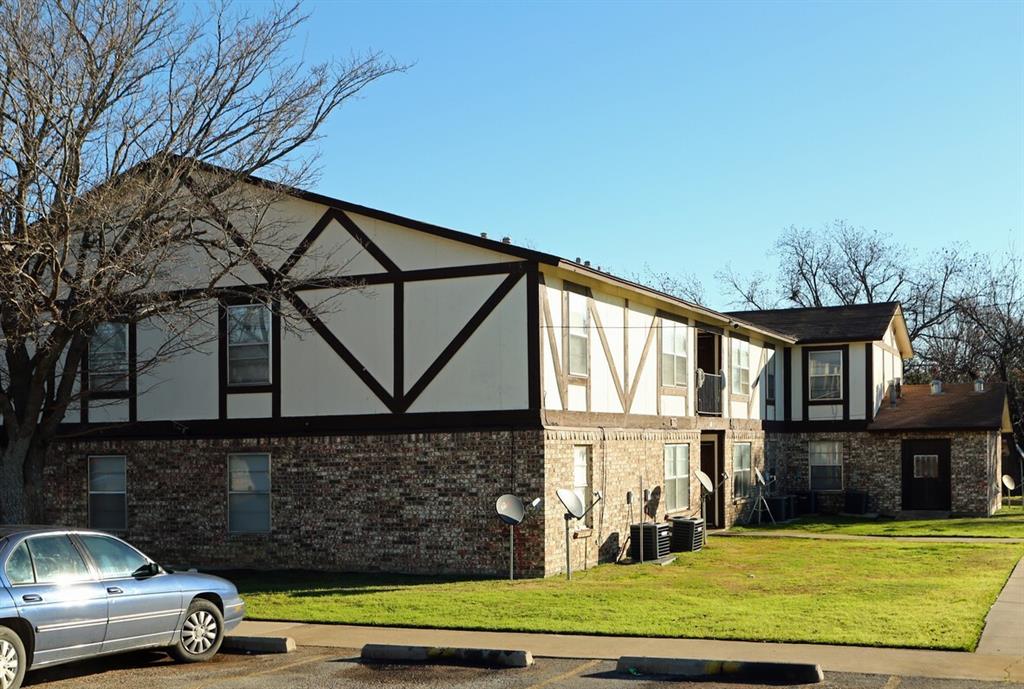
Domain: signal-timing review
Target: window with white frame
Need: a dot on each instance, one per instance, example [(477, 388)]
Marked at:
[(742, 485), (825, 375), (249, 493), (248, 344), (740, 362), (677, 477), (108, 358), (579, 335), (108, 493), (673, 353), (581, 473), (826, 465), (926, 466), (769, 377)]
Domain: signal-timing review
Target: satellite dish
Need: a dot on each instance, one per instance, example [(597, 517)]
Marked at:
[(1009, 482), (759, 475), (705, 481), (572, 502), (510, 509)]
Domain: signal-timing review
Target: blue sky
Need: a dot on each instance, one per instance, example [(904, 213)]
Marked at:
[(684, 135)]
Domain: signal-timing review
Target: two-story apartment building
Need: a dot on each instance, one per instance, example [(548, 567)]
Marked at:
[(451, 369)]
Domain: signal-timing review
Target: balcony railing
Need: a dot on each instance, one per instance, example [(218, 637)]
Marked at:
[(709, 393)]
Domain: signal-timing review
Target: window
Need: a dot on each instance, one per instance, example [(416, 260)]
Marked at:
[(579, 335), (677, 477), (926, 466), (19, 566), (249, 493), (769, 378), (740, 366), (248, 344), (581, 467), (56, 560), (108, 358), (673, 353), (826, 460), (741, 483), (108, 493), (115, 560), (825, 375)]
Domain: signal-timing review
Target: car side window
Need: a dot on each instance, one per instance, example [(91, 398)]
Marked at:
[(56, 560), (19, 566), (115, 560)]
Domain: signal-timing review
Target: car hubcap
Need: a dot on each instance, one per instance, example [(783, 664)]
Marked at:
[(8, 664), (199, 633)]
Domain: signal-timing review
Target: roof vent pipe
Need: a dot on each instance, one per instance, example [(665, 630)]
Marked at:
[(483, 235), (586, 263), (936, 386), (893, 394), (506, 240), (979, 385)]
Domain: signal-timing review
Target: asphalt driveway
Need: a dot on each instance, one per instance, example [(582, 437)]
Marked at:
[(323, 668)]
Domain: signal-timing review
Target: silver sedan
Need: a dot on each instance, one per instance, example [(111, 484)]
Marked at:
[(68, 595)]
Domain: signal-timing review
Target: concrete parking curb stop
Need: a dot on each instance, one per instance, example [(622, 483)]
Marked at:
[(762, 672), (480, 657), (259, 644)]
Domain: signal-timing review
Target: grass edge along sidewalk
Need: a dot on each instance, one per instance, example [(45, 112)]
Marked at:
[(863, 593)]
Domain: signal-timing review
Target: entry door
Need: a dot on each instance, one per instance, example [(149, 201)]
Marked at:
[(66, 607), (144, 611), (709, 465), (926, 480)]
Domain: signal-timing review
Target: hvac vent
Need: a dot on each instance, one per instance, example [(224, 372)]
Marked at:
[(657, 540), (687, 534)]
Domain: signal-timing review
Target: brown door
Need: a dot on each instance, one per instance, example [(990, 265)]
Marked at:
[(715, 508), (926, 480)]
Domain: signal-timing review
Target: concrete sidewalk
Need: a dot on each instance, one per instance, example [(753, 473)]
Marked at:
[(1004, 625), (890, 661), (782, 533)]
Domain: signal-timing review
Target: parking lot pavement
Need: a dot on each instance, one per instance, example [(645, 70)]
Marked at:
[(331, 668)]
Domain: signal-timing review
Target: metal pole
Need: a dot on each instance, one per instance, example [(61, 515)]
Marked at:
[(568, 560), (511, 553)]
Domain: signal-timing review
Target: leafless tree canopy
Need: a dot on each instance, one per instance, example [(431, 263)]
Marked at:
[(112, 113)]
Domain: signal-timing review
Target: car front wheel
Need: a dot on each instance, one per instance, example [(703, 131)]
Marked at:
[(12, 659), (201, 634)]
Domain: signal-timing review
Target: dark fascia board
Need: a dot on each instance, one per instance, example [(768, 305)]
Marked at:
[(917, 428)]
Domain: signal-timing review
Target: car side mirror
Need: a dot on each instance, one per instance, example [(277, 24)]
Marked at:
[(150, 569)]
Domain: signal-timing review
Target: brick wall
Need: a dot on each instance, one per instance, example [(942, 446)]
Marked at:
[(872, 462), (417, 503)]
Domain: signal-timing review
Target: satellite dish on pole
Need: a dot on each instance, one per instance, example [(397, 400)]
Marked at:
[(510, 509), (572, 502), (1009, 482), (705, 481), (759, 476)]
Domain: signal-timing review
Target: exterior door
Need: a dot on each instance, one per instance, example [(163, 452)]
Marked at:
[(61, 600), (715, 509), (143, 611), (926, 476)]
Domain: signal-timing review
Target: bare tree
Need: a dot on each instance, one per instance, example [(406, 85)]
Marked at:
[(685, 286), (128, 129)]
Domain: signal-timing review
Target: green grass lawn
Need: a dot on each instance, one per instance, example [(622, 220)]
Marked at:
[(878, 593), (1008, 522)]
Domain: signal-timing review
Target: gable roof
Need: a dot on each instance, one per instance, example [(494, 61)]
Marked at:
[(957, 407), (852, 322)]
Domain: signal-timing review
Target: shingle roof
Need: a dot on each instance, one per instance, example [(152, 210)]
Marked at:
[(826, 324), (957, 407)]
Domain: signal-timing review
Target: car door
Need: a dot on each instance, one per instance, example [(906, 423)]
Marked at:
[(55, 591), (143, 610)]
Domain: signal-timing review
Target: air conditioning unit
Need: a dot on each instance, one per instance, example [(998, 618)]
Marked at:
[(687, 534), (656, 537)]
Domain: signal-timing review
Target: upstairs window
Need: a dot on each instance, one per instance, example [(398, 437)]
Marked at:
[(825, 375), (769, 378), (108, 358), (826, 465), (248, 344), (579, 335), (740, 366), (673, 353)]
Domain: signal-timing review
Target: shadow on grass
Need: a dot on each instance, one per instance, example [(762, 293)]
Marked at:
[(311, 584)]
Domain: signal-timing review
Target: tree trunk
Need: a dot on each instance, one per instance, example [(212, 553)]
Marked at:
[(13, 505)]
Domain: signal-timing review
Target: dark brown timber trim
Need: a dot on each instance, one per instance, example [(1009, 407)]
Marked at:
[(275, 358), (307, 241), (460, 339), (368, 244), (398, 344), (612, 368)]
